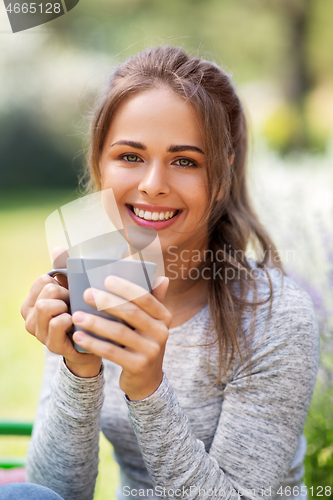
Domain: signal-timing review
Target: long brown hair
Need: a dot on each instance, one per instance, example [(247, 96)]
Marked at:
[(232, 222)]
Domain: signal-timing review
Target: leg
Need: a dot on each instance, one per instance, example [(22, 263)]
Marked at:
[(27, 491)]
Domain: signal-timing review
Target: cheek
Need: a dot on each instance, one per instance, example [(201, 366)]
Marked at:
[(194, 180), (116, 178), (197, 190), (107, 175), (199, 196)]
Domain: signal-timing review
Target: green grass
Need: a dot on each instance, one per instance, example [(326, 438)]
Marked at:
[(24, 257)]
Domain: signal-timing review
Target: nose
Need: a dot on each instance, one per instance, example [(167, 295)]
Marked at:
[(154, 181)]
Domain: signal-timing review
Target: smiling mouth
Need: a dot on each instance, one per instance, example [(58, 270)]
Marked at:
[(153, 216)]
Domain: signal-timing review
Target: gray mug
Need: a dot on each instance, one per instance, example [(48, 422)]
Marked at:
[(83, 273)]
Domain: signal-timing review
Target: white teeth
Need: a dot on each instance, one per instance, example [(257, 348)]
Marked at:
[(153, 216)]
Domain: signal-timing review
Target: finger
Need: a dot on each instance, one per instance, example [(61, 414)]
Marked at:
[(161, 285), (113, 304), (111, 330), (35, 290), (57, 339), (106, 301), (137, 295), (123, 357), (50, 291), (54, 291), (45, 310), (59, 342), (139, 318), (59, 257)]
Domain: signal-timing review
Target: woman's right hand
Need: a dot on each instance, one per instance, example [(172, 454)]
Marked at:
[(45, 311)]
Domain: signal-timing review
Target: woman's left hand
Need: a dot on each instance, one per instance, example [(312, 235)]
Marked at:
[(142, 356)]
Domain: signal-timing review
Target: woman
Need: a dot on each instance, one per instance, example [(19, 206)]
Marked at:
[(210, 394)]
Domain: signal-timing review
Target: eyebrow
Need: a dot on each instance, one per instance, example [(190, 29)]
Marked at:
[(171, 149), (178, 149), (132, 144)]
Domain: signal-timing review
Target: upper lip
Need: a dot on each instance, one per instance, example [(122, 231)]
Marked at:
[(153, 208)]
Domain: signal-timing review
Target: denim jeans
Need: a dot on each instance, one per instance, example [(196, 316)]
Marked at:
[(27, 491)]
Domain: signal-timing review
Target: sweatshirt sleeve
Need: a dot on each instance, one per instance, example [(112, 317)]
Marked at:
[(63, 452), (261, 421)]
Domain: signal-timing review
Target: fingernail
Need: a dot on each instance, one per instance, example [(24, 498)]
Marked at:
[(78, 317), (111, 281), (78, 337), (90, 294)]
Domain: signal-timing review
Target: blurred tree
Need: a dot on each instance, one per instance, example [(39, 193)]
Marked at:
[(228, 30), (285, 41), (296, 15), (29, 157), (291, 126)]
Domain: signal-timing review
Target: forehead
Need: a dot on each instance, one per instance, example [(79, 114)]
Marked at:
[(156, 115)]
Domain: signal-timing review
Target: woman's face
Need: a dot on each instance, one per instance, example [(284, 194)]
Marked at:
[(154, 161)]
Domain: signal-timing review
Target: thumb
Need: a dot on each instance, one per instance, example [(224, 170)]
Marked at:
[(160, 288), (59, 256)]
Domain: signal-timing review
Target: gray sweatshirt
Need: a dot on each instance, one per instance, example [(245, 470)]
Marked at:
[(191, 438)]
